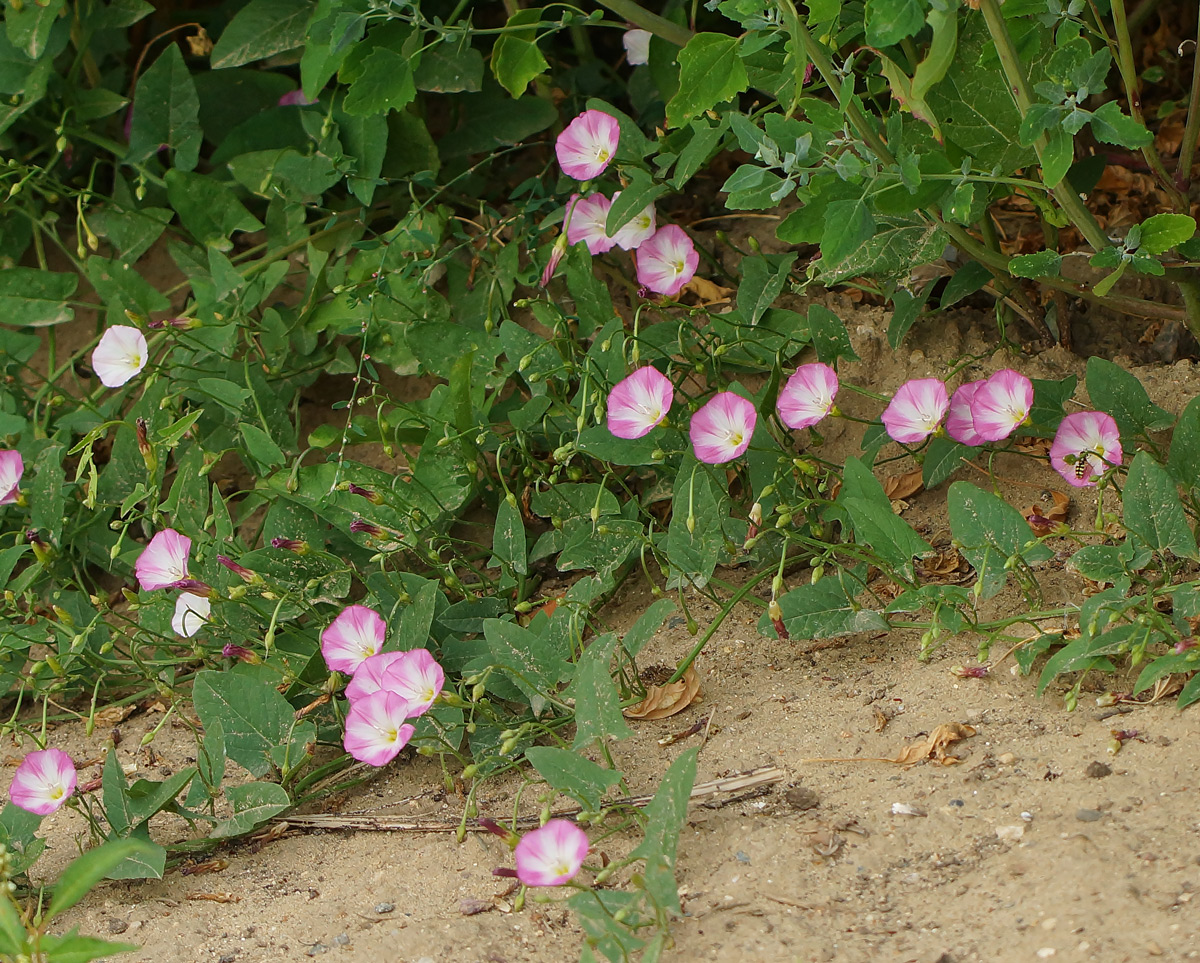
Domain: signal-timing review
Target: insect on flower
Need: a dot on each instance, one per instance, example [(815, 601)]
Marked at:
[(1087, 444)]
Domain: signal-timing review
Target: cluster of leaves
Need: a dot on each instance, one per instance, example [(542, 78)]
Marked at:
[(335, 193)]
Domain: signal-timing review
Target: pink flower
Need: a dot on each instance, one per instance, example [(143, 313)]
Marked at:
[(1001, 404), (638, 402), (667, 261), (721, 430), (960, 422), (295, 98), (588, 144), (637, 47), (415, 676), (191, 612), (375, 728), (632, 233), (916, 410), (556, 255), (11, 470), (356, 634), (164, 562), (551, 855), (586, 222), (1087, 444), (808, 395), (43, 782), (120, 355)]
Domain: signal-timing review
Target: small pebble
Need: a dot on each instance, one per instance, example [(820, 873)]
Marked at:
[(342, 939), (1046, 952), (1010, 833), (1006, 758), (1097, 770), (904, 809), (227, 958), (1088, 815), (385, 907), (956, 802), (117, 926), (316, 949), (741, 857), (801, 797)]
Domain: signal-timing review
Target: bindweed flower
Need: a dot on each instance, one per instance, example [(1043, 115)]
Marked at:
[(552, 855), (1001, 404), (916, 410), (250, 578), (355, 635), (721, 430), (368, 493), (1087, 444), (556, 255), (960, 422), (295, 98), (808, 395), (120, 355), (362, 526), (11, 469), (191, 612), (634, 232), (375, 728), (586, 222), (299, 546), (164, 562), (587, 145), (241, 653), (639, 402), (637, 47), (44, 780), (667, 261), (415, 676), (775, 613)]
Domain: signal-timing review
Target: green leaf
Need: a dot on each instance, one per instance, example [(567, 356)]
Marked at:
[(829, 335), (508, 537), (45, 492), (516, 59), (1161, 232), (875, 524), (1152, 509), (261, 446), (889, 254), (710, 72), (989, 531), (534, 666), (384, 83), (601, 443), (906, 309), (890, 21), (823, 611), (451, 67), (570, 773), (87, 870), (695, 535), (1117, 392), (365, 139), (640, 192), (32, 297), (1057, 156), (166, 110), (1040, 265), (253, 804), (261, 29), (254, 716), (598, 717), (150, 864), (966, 280), (1184, 459), (1113, 127), (1089, 652), (74, 948), (13, 934), (664, 819), (29, 24), (208, 209), (848, 226), (943, 457), (762, 282)]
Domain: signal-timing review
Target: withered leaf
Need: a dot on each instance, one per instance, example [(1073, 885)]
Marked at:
[(111, 715), (667, 699), (1044, 519), (707, 292), (947, 565), (934, 745), (902, 486)]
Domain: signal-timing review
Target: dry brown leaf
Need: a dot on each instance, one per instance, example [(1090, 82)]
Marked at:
[(201, 44), (111, 715), (707, 292), (208, 866), (1044, 520), (934, 745), (667, 699), (947, 565), (901, 486)]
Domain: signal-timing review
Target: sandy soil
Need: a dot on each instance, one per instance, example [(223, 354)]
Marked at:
[(1028, 849)]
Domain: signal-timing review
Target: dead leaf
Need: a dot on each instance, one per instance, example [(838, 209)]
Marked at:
[(934, 745), (707, 292), (1045, 519), (111, 715), (201, 44), (667, 699), (947, 566), (208, 866), (902, 486), (1037, 447)]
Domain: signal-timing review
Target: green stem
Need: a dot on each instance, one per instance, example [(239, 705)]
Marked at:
[(639, 16), (1018, 82), (716, 624), (1191, 132)]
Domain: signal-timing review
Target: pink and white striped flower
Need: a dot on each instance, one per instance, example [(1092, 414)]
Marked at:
[(552, 855), (586, 219), (637, 47), (164, 562), (354, 636), (1001, 404), (641, 228), (375, 728), (11, 470), (667, 260), (960, 422), (120, 355), (44, 780), (415, 676), (808, 395), (1087, 444), (191, 613), (916, 410), (722, 429), (587, 146), (639, 402)]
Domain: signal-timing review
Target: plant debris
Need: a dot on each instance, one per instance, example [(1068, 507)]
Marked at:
[(667, 699)]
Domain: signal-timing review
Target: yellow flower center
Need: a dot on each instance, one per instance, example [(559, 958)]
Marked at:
[(57, 792)]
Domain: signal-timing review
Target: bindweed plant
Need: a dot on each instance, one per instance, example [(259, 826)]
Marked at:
[(356, 354)]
